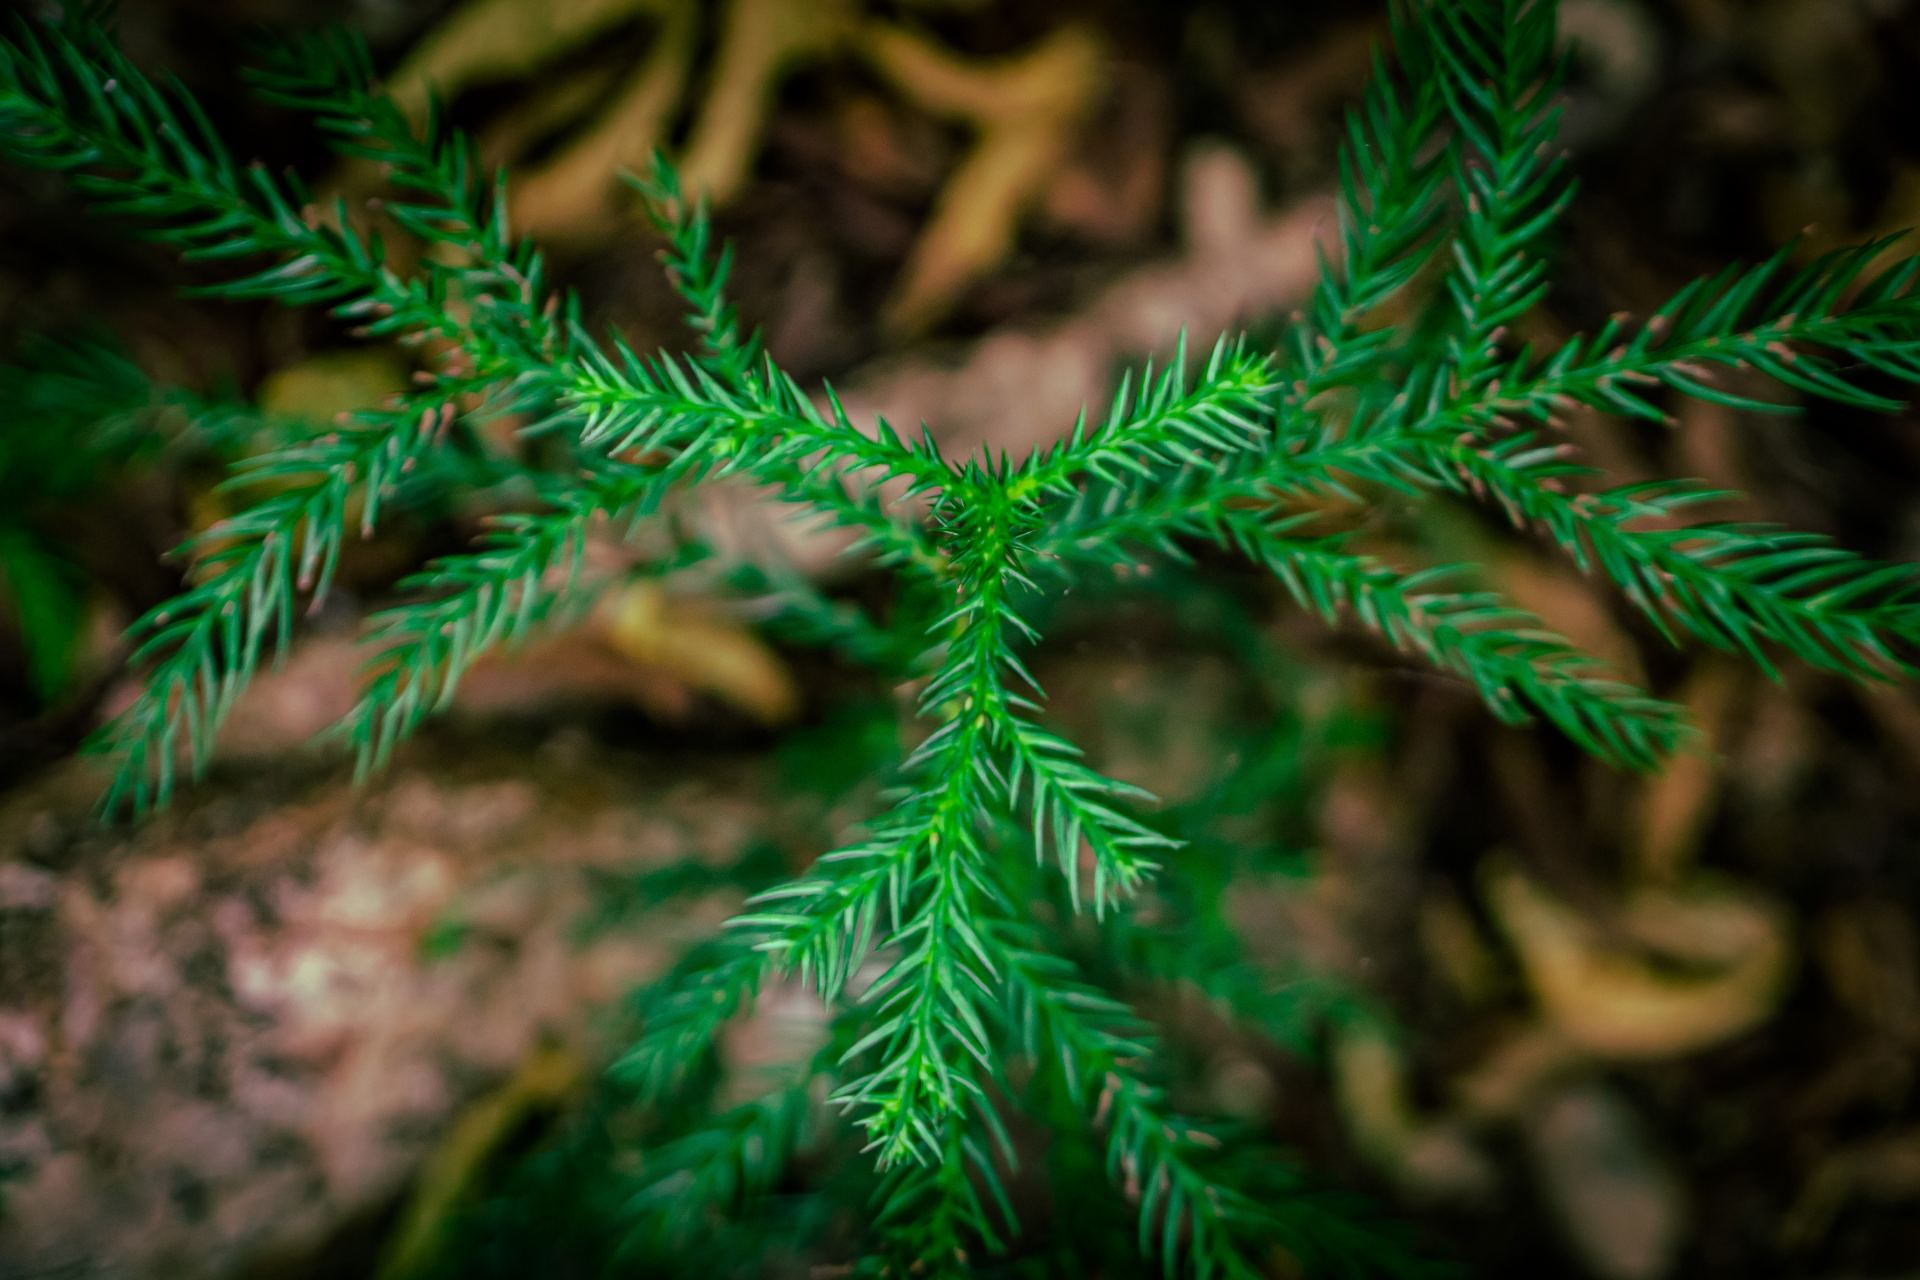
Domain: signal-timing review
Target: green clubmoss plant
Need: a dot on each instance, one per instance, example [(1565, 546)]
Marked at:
[(954, 996)]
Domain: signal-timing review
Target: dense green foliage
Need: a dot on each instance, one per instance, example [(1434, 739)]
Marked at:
[(931, 936), (88, 417)]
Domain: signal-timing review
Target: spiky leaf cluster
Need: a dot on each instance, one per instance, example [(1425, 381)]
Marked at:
[(937, 933)]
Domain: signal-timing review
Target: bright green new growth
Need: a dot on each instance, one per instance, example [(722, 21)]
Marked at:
[(922, 933)]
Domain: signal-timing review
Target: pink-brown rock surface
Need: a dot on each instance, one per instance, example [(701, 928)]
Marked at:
[(228, 1032)]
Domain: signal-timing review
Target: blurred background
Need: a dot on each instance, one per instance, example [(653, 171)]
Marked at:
[(1559, 1020)]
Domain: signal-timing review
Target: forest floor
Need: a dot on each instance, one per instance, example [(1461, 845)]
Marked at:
[(1617, 1027)]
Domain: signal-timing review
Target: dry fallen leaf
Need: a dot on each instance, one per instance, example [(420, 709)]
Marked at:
[(1710, 964), (1025, 111), (1677, 803), (540, 1083), (1429, 1159), (702, 649), (762, 41), (1620, 1204), (574, 193), (491, 40), (1871, 959), (1884, 1168), (1454, 946)]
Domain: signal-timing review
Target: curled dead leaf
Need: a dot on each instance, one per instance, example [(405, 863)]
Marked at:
[(702, 649), (1428, 1158), (1024, 110), (1710, 964)]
